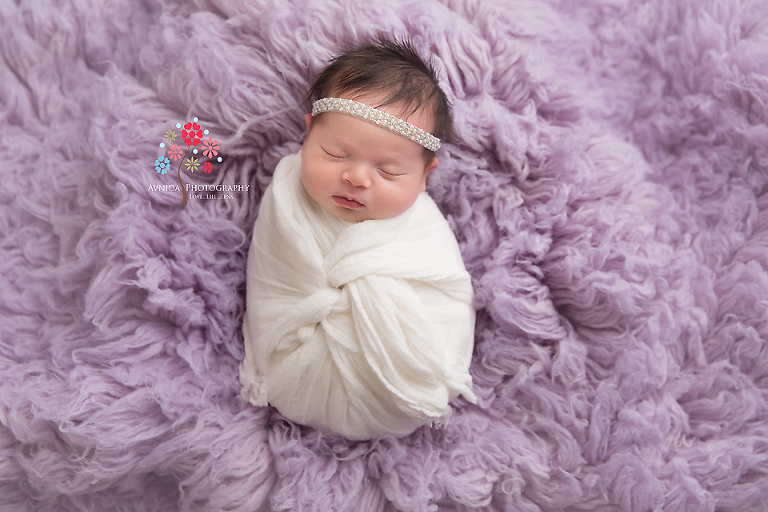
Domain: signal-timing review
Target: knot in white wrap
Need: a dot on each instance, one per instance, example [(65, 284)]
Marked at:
[(360, 329)]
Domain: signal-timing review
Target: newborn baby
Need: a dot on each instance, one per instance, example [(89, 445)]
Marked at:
[(358, 317)]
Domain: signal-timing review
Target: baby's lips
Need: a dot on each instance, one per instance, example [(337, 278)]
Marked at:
[(348, 202)]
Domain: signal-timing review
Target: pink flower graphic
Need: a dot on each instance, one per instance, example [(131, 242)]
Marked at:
[(174, 152), (207, 167), (192, 134), (210, 147)]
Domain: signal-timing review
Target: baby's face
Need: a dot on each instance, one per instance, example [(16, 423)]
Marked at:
[(359, 171)]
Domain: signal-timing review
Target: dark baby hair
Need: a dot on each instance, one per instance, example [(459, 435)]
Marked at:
[(393, 68)]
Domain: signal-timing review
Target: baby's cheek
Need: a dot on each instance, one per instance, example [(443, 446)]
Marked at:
[(399, 201), (309, 186), (307, 176)]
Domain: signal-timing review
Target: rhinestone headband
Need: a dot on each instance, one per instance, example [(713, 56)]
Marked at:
[(375, 116)]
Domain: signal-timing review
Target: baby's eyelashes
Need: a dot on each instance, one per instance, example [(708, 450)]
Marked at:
[(331, 154), (342, 156), (393, 175)]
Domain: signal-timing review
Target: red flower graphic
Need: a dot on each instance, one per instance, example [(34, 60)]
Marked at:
[(210, 147), (174, 152), (192, 134), (207, 167)]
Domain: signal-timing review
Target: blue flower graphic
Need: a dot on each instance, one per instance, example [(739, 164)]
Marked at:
[(162, 165)]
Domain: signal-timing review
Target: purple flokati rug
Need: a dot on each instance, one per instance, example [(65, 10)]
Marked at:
[(608, 186)]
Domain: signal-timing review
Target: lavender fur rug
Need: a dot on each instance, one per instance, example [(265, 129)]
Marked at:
[(609, 188)]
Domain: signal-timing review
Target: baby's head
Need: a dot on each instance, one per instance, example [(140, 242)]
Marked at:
[(372, 140)]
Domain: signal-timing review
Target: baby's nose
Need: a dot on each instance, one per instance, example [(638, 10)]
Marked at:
[(357, 175)]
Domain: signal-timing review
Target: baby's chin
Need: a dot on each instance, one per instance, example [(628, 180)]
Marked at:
[(349, 215), (353, 216)]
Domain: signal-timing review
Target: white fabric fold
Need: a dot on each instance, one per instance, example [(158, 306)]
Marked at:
[(360, 329)]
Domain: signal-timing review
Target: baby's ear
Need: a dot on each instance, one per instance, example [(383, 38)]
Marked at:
[(428, 169), (431, 166), (308, 120)]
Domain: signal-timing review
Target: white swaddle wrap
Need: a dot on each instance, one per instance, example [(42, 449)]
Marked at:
[(361, 329)]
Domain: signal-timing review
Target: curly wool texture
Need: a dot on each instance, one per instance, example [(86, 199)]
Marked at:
[(608, 186)]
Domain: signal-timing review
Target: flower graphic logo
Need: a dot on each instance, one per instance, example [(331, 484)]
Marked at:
[(174, 152), (210, 149), (192, 164), (162, 165), (192, 134)]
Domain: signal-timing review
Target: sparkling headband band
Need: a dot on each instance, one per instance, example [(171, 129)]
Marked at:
[(370, 114)]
